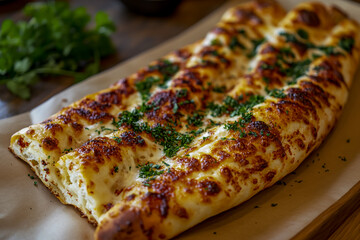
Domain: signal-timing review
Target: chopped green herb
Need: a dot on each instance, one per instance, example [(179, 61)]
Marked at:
[(251, 133), (149, 170), (196, 119), (166, 68), (291, 38), (328, 50), (242, 32), (144, 87), (175, 107), (103, 128), (67, 150), (166, 164), (215, 42), (216, 109), (181, 93), (234, 43), (266, 66), (256, 43), (219, 89), (117, 139), (266, 80), (347, 44), (303, 34), (287, 52), (278, 93), (116, 169)]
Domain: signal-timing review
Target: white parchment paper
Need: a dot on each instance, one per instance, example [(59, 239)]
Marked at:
[(32, 212)]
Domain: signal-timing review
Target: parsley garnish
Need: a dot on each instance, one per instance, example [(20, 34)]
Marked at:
[(166, 68), (327, 50), (278, 93), (234, 43), (149, 170), (303, 34), (103, 128), (144, 87), (219, 89), (256, 43), (117, 139), (196, 119), (67, 150), (347, 44), (215, 42), (55, 41), (169, 138)]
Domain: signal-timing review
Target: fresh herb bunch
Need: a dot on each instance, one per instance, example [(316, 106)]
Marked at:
[(54, 41)]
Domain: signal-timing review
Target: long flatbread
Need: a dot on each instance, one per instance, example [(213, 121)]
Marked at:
[(202, 129)]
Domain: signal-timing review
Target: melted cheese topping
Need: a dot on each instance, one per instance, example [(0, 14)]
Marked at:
[(299, 66)]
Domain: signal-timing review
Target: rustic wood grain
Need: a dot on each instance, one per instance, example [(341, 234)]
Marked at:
[(333, 221), (350, 229)]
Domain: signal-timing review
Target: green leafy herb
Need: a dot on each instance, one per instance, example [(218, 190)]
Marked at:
[(347, 44), (103, 128), (219, 89), (266, 66), (31, 177), (328, 50), (278, 93), (287, 52), (256, 43), (242, 32), (169, 138), (55, 41), (303, 34), (149, 170), (117, 139), (166, 68), (196, 119), (144, 87), (116, 169), (234, 43), (266, 80), (216, 110), (252, 133), (215, 42), (67, 150)]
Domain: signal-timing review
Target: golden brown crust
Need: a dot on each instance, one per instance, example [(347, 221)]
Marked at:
[(299, 77), (197, 184)]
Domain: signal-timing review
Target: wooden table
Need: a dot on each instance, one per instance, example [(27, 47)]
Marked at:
[(135, 34)]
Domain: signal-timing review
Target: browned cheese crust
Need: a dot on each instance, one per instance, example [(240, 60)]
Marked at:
[(204, 128)]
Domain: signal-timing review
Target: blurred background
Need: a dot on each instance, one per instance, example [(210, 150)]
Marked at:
[(140, 25)]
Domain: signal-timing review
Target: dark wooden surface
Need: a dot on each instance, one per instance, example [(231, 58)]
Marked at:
[(135, 33)]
